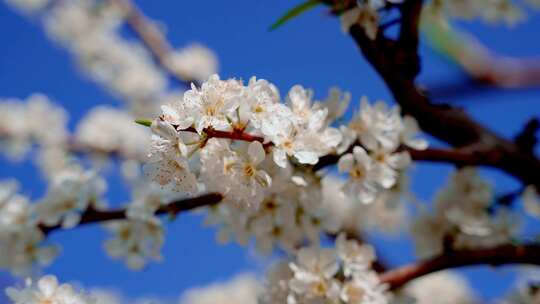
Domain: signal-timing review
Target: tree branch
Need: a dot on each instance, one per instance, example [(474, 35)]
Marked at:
[(458, 157), (398, 63), (92, 215), (501, 255)]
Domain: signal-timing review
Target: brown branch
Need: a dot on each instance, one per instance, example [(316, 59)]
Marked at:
[(92, 215), (501, 255), (151, 37), (398, 63), (458, 157)]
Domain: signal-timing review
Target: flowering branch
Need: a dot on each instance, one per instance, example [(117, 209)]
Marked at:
[(500, 255), (150, 35), (398, 63), (91, 215), (459, 157)]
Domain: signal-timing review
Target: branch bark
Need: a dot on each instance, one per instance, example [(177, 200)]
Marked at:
[(496, 256), (398, 63), (97, 216)]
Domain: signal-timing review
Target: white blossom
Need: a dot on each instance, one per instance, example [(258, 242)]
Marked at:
[(462, 214), (106, 130), (316, 276), (71, 192), (193, 62), (213, 104), (359, 166), (136, 241), (47, 290)]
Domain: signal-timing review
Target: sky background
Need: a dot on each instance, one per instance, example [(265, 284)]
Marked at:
[(312, 51)]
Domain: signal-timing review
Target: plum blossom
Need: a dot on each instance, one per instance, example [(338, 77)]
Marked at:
[(193, 62), (47, 290), (359, 166), (71, 192), (168, 163), (136, 241), (316, 275)]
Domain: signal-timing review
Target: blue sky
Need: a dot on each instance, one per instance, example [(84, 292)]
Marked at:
[(310, 51)]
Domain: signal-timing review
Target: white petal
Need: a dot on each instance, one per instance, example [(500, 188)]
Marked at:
[(307, 157), (256, 152), (47, 285), (280, 157), (345, 163)]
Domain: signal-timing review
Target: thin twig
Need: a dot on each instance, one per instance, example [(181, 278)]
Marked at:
[(92, 215)]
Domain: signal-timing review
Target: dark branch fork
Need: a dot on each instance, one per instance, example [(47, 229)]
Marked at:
[(398, 63)]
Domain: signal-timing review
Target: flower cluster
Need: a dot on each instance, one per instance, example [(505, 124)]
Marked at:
[(70, 193), (21, 241), (386, 214), (106, 130), (327, 275), (464, 214), (290, 213), (91, 31), (47, 290), (195, 62), (247, 122), (34, 120), (242, 142), (377, 157), (367, 12)]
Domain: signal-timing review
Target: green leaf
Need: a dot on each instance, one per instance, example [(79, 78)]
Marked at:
[(294, 12), (144, 122)]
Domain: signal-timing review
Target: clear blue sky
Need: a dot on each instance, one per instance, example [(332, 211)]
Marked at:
[(310, 50)]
